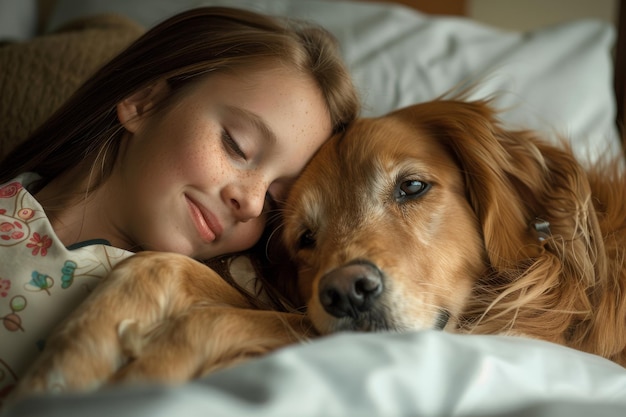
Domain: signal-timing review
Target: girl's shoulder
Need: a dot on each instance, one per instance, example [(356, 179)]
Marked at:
[(41, 280), (27, 234)]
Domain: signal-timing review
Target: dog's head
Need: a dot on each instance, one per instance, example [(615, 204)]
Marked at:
[(395, 221), (382, 230)]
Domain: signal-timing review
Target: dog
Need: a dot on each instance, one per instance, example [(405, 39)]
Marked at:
[(436, 216), (433, 216), (157, 317)]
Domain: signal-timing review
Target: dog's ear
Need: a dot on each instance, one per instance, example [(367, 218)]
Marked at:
[(512, 178), (552, 284)]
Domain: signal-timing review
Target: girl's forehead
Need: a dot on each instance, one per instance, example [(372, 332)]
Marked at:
[(268, 85)]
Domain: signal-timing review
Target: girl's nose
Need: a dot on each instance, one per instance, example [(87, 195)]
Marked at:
[(246, 202)]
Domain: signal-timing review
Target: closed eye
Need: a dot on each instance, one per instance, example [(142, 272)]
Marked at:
[(232, 147)]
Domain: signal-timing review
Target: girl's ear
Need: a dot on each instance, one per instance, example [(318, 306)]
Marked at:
[(131, 110)]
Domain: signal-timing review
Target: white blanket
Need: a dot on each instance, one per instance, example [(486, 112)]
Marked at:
[(414, 374)]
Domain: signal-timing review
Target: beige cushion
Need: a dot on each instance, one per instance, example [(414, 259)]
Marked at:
[(38, 75)]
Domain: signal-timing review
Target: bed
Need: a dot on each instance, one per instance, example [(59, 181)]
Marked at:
[(561, 79)]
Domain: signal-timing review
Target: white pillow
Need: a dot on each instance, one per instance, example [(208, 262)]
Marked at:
[(557, 79)]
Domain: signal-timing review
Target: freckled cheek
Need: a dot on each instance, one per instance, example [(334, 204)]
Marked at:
[(255, 186), (315, 137), (206, 162)]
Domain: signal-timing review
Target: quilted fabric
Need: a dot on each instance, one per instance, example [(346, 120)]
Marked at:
[(36, 76)]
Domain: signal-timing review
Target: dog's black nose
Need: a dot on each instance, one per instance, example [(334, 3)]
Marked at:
[(350, 289)]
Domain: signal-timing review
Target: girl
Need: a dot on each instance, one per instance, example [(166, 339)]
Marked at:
[(181, 143)]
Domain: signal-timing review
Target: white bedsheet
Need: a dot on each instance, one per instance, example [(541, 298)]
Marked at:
[(426, 373)]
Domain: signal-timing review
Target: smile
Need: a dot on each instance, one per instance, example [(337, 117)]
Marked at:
[(206, 224)]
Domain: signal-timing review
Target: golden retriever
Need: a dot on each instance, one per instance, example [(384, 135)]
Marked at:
[(434, 216), (157, 317)]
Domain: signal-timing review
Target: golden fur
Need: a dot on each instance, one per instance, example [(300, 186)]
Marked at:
[(157, 317), (424, 218)]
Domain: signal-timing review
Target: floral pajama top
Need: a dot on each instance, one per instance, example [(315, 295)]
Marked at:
[(41, 281)]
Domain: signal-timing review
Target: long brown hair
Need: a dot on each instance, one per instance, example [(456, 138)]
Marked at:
[(181, 50)]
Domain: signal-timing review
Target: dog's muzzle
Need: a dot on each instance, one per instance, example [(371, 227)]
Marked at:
[(352, 289)]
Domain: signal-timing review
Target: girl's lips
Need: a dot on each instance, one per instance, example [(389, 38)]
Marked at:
[(206, 223)]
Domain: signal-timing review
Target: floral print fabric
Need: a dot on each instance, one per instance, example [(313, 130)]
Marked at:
[(41, 281)]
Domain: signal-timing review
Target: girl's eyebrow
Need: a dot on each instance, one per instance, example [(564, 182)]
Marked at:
[(254, 120)]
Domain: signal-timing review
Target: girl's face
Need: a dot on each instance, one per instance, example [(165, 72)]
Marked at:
[(199, 177)]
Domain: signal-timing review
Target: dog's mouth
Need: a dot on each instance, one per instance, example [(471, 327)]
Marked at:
[(354, 295), (365, 323), (375, 320), (380, 320)]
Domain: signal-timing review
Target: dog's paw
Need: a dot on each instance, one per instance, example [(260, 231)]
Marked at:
[(38, 381)]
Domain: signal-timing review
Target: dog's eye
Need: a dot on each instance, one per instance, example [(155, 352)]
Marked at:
[(410, 189), (307, 240)]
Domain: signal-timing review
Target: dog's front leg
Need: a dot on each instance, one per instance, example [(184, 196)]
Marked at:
[(207, 338), (85, 350)]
